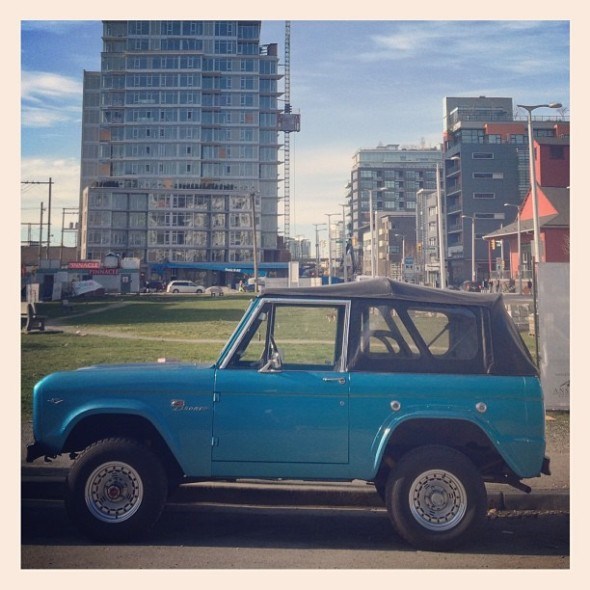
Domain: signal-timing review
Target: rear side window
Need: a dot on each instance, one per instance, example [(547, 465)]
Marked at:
[(448, 334), (403, 337), (385, 335)]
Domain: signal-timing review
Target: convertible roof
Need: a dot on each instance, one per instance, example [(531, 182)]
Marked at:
[(384, 288), (510, 356)]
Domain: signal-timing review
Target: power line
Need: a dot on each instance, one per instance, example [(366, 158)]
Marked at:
[(50, 185)]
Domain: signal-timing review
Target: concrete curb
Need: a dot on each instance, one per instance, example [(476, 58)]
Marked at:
[(49, 483)]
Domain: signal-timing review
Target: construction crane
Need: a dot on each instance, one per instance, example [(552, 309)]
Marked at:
[(288, 123)]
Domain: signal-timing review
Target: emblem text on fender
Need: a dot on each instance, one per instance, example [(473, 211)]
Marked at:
[(179, 405)]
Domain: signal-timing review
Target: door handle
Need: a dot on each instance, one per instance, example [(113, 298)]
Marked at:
[(341, 380)]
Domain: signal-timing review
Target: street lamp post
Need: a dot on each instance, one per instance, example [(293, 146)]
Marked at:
[(317, 246), (403, 263), (372, 227), (254, 240), (473, 271), (519, 263), (344, 244), (441, 227), (536, 235), (529, 109), (329, 215)]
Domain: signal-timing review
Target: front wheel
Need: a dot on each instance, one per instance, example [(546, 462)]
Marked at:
[(116, 490), (436, 498)]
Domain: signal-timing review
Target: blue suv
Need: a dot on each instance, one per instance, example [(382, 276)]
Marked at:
[(428, 394)]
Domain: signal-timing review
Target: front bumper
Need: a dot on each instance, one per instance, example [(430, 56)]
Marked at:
[(36, 450)]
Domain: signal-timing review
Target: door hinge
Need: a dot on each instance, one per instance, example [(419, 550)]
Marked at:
[(215, 397), (215, 441)]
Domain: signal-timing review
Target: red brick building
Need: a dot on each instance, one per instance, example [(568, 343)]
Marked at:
[(552, 170)]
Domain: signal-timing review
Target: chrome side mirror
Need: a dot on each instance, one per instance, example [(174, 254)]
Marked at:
[(273, 364)]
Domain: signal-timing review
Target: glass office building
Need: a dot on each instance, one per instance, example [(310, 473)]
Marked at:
[(180, 143), (387, 178)]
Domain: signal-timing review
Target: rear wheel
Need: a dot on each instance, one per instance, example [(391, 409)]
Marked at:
[(116, 489), (436, 498)]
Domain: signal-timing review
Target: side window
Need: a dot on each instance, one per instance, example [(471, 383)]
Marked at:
[(308, 336), (385, 335), (402, 337), (448, 334), (297, 336)]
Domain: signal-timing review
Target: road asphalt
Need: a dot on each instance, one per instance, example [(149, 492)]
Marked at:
[(46, 480)]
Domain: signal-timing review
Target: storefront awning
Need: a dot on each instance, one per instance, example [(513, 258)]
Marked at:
[(239, 267)]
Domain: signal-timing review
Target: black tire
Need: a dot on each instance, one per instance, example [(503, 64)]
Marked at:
[(381, 488), (436, 498), (116, 490)]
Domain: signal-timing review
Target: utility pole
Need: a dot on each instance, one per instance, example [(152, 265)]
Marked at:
[(50, 183), (65, 211), (41, 231)]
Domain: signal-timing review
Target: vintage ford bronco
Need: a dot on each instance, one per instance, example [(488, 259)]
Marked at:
[(426, 393)]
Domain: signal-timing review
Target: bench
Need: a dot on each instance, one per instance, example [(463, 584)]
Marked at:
[(30, 319)]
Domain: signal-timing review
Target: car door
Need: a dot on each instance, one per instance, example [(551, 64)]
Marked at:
[(281, 397)]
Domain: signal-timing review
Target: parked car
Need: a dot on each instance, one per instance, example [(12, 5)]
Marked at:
[(184, 287), (214, 291), (154, 287), (425, 393)]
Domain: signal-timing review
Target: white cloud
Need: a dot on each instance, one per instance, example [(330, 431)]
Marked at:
[(39, 117), (49, 99), (41, 86), (53, 26), (503, 45)]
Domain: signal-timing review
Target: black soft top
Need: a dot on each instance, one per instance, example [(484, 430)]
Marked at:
[(510, 356), (389, 289)]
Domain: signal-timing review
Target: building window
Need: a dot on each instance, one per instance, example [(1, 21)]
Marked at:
[(482, 156), (484, 195), (489, 175), (556, 152)]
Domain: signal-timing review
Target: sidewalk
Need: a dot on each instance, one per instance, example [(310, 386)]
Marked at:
[(46, 480)]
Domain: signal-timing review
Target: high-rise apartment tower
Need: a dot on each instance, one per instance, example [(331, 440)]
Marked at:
[(180, 142)]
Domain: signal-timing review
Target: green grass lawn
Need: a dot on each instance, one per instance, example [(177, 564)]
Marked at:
[(166, 316)]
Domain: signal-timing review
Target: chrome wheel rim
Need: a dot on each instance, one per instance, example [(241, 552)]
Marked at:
[(438, 501), (114, 492)]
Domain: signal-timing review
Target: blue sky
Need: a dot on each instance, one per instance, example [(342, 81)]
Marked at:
[(356, 83)]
